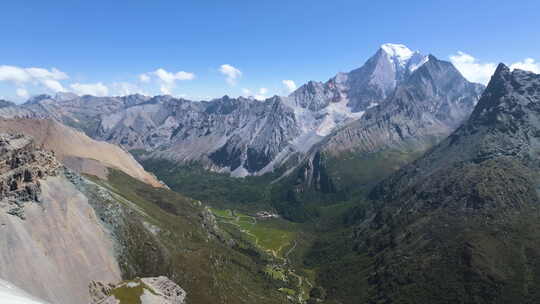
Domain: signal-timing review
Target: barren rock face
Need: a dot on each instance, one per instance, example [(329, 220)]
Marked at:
[(60, 246)]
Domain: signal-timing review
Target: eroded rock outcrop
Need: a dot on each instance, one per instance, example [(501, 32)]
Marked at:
[(156, 290), (22, 166)]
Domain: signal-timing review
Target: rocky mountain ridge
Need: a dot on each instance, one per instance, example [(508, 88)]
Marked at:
[(240, 136), (435, 100), (5, 103), (425, 108), (503, 124), (466, 212)]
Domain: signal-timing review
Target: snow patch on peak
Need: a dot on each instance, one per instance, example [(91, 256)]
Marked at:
[(413, 66), (372, 105), (335, 114), (399, 51), (403, 58)]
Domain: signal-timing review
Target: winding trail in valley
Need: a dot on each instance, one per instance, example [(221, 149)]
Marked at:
[(286, 262)]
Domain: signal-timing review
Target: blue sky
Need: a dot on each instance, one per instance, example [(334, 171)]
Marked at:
[(181, 47)]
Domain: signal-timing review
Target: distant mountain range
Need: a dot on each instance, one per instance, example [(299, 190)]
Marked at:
[(248, 137)]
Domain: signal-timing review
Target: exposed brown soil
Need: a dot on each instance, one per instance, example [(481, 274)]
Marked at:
[(76, 150)]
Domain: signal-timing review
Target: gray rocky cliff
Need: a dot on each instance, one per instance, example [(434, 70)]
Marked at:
[(433, 101)]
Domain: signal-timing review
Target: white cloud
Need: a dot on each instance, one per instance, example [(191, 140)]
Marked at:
[(14, 74), (94, 89), (471, 69), (528, 64), (166, 80), (170, 78), (262, 94), (40, 73), (231, 73), (22, 93), (289, 84), (126, 88), (50, 79), (144, 78), (53, 85), (481, 72)]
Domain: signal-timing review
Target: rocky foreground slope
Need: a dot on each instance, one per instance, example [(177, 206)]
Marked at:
[(44, 220)]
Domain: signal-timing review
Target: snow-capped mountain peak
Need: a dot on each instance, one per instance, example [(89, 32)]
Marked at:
[(398, 51), (402, 57)]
